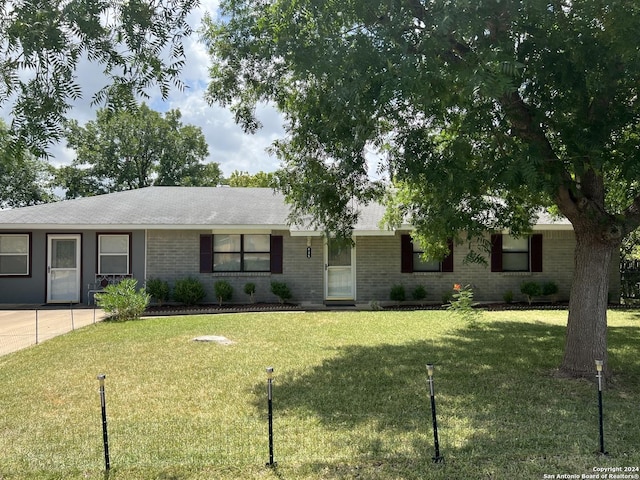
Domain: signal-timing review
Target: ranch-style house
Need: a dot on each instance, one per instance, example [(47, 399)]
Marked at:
[(64, 252)]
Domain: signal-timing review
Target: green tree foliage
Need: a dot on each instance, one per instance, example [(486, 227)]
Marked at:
[(482, 111), (137, 45), (631, 246), (244, 179), (135, 148), (24, 178)]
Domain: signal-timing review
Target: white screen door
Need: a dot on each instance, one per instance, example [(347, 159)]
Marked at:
[(340, 270), (63, 269)]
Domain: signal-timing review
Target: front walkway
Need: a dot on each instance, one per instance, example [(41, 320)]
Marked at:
[(23, 326)]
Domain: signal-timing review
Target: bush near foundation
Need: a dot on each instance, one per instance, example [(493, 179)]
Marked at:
[(122, 301), (189, 291), (224, 291)]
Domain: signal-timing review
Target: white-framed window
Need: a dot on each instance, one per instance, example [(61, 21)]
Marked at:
[(241, 252), (515, 254), (113, 254), (14, 254)]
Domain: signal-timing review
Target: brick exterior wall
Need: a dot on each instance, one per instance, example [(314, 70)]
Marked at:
[(379, 270), (174, 254), (378, 263)]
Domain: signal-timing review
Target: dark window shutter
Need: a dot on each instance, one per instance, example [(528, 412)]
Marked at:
[(276, 253), (496, 252), (206, 253), (447, 263), (406, 254), (536, 252)]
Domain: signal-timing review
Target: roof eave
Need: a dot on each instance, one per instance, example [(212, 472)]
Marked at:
[(104, 227)]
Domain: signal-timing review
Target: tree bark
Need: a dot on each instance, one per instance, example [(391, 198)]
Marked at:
[(586, 338)]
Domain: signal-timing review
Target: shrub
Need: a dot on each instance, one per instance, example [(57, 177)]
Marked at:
[(549, 288), (121, 301), (530, 289), (223, 290), (397, 293), (250, 289), (188, 291), (446, 297), (280, 290), (158, 289), (508, 296), (419, 293)]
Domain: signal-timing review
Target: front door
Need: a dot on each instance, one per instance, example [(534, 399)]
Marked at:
[(339, 270), (63, 269)]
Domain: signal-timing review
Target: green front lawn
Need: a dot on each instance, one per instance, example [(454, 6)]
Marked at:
[(351, 399)]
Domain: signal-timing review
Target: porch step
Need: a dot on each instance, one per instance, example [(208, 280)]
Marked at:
[(339, 303)]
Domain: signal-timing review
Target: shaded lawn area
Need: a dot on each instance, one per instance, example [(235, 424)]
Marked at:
[(351, 398)]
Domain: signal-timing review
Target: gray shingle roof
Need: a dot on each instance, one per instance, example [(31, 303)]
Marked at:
[(181, 208), (158, 207)]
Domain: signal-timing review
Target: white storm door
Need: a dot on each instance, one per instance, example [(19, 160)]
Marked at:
[(63, 269), (339, 270)]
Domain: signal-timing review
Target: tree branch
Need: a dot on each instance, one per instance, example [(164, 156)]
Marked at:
[(525, 128), (458, 49), (592, 186)]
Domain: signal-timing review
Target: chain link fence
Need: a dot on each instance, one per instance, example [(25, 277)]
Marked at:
[(23, 328)]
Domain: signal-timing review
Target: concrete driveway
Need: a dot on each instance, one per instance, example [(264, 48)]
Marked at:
[(21, 327)]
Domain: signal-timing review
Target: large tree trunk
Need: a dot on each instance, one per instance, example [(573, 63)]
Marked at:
[(586, 339)]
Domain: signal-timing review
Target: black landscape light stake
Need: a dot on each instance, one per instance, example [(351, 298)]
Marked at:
[(105, 435), (437, 458), (599, 365), (271, 463)]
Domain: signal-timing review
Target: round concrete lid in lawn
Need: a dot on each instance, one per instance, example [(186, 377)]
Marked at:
[(213, 338)]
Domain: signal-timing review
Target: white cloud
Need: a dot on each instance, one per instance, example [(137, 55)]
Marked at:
[(228, 144)]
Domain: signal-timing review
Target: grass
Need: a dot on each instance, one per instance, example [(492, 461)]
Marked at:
[(351, 399)]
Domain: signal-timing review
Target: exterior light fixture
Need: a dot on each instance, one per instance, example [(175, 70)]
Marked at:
[(105, 434), (599, 368), (599, 364), (437, 458), (271, 463)]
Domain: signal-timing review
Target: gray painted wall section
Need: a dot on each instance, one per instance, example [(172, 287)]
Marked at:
[(32, 290)]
